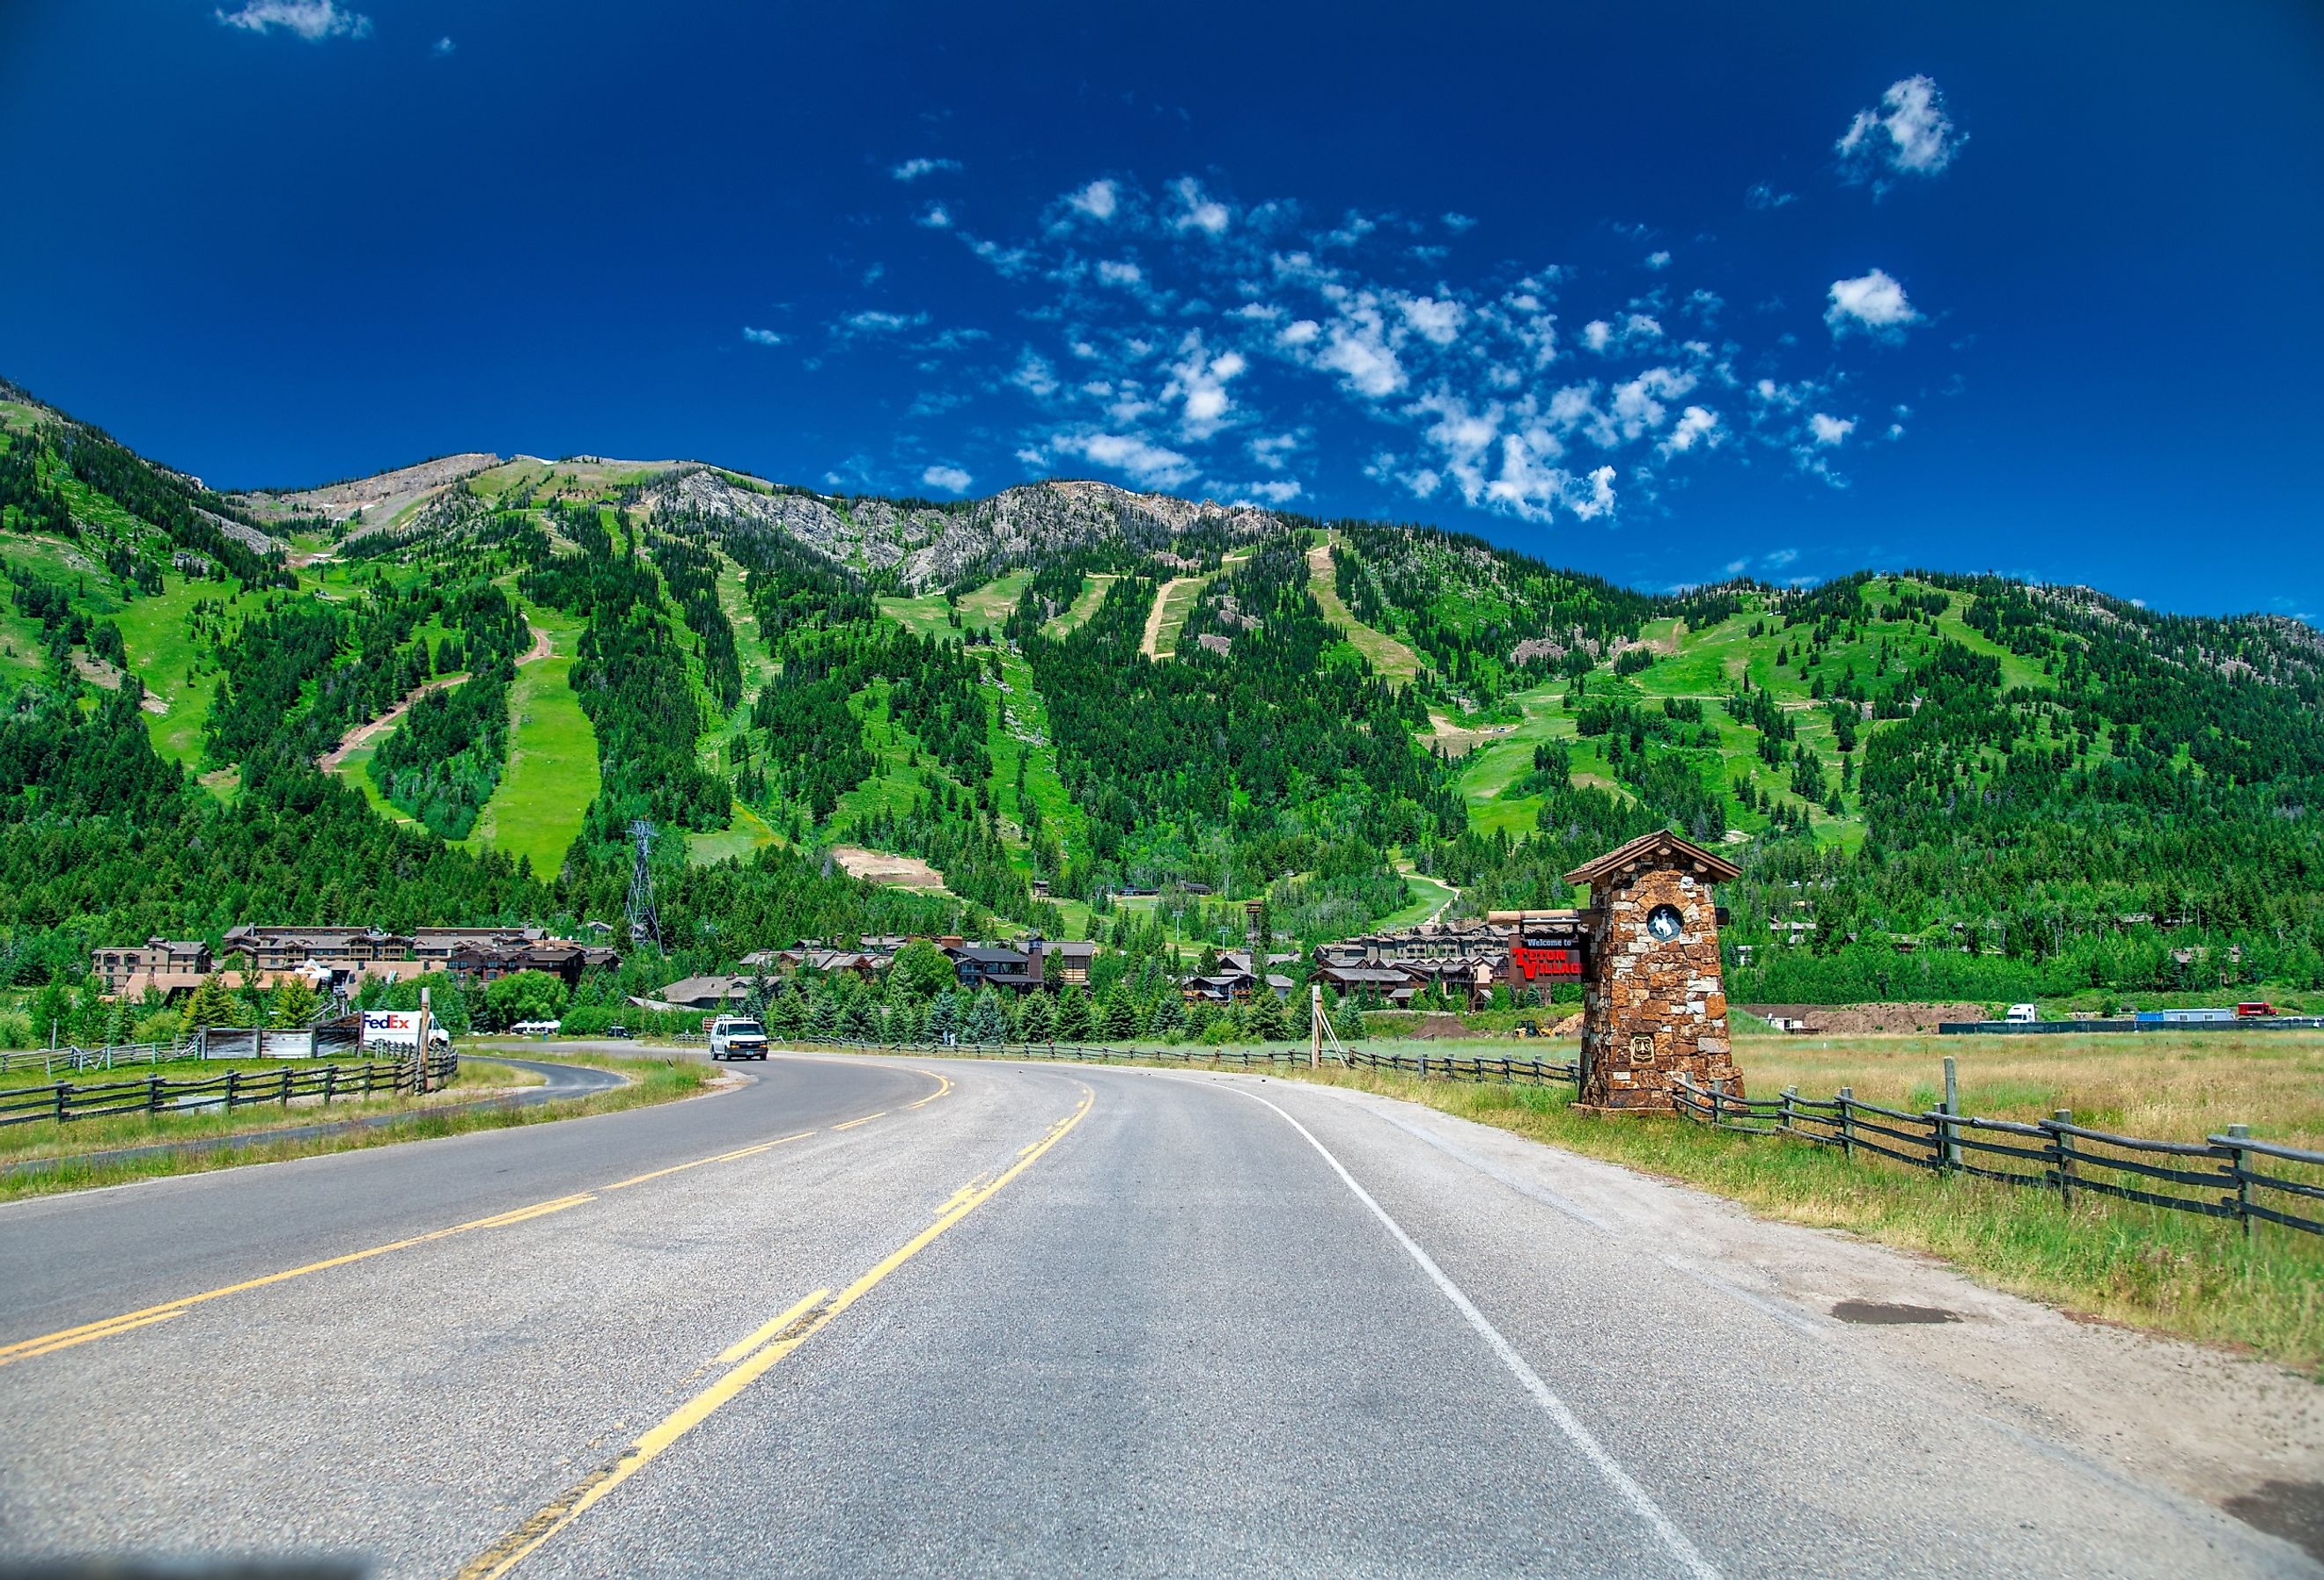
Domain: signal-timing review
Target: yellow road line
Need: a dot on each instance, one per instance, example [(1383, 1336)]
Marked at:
[(105, 1331), (788, 1331), (65, 1338), (698, 1162), (772, 1330), (943, 1085), (25, 1348)]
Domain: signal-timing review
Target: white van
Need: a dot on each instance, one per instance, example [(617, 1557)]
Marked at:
[(2022, 1014)]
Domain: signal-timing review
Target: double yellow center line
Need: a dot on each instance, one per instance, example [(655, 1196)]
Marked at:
[(749, 1359), (130, 1321)]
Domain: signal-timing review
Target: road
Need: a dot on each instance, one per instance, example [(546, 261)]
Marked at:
[(887, 1316)]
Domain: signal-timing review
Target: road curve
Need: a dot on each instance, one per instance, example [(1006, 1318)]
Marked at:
[(887, 1316)]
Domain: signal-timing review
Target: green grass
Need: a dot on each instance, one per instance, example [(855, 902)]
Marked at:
[(745, 832), (981, 609), (1428, 894), (652, 1080), (1390, 658), (552, 769), (1077, 613), (1178, 597), (163, 652), (2115, 1261)]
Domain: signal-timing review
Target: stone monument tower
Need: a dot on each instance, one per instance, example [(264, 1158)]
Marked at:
[(1654, 1005)]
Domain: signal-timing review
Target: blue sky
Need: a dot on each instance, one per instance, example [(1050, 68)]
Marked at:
[(1664, 293)]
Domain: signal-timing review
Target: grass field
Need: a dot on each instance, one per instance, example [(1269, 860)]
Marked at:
[(979, 609), (1076, 614), (552, 768), (745, 832), (2114, 1260), (651, 1080), (1389, 657)]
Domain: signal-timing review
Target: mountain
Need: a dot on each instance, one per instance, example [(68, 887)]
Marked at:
[(447, 693)]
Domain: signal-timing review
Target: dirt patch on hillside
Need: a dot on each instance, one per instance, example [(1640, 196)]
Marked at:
[(879, 866), (1865, 1019), (1458, 742)]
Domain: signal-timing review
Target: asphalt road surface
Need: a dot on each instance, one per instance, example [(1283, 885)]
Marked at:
[(870, 1316)]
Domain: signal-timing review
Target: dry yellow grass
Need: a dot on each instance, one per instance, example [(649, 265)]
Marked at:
[(2160, 1085)]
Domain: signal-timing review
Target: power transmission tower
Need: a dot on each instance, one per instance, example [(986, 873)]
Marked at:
[(645, 925)]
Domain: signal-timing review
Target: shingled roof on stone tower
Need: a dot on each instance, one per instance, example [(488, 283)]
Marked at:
[(1664, 846)]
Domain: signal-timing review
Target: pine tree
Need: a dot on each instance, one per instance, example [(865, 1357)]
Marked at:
[(1121, 1015), (296, 1003), (1038, 1023), (210, 1005), (1073, 1016), (1268, 1021)]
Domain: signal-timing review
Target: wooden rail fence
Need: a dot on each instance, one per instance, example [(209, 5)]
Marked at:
[(70, 1100), (2234, 1175)]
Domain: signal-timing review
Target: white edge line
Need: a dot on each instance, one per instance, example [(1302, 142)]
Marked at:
[(1567, 1422)]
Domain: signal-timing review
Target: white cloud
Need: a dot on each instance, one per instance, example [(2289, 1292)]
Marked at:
[(1098, 200), (1299, 332), (1763, 196), (1830, 430), (443, 46), (936, 217), (1458, 223), (1695, 425), (1775, 559), (1637, 407), (1915, 137), (874, 321), (1436, 321), (1277, 492), (312, 20), (762, 337), (1873, 303), (1357, 348), (951, 479), (1148, 464), (1658, 260), (1111, 272), (1202, 213), (912, 170), (1034, 377), (1271, 450), (1199, 382)]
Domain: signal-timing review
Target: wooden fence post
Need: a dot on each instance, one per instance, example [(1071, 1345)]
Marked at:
[(2241, 1132), (1783, 1109), (2065, 1149), (232, 1080), (1952, 1156), (1847, 1124)]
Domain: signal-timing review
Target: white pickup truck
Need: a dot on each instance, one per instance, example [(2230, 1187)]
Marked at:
[(737, 1037)]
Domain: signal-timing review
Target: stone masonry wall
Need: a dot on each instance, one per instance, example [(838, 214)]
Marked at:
[(1653, 1009)]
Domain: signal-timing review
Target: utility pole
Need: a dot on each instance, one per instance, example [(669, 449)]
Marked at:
[(1315, 1025), (419, 1077)]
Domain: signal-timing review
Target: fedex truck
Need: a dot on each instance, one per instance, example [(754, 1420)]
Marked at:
[(398, 1031)]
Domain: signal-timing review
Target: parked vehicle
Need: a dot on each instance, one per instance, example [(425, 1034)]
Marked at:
[(2248, 1011), (537, 1028), (622, 1032), (737, 1037), (2022, 1014)]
